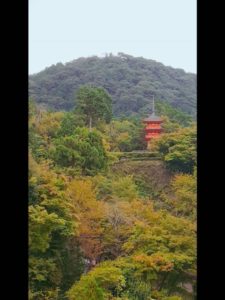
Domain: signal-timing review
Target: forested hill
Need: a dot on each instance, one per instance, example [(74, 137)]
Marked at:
[(131, 82)]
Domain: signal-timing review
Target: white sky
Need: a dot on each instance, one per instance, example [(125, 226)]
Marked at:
[(63, 30)]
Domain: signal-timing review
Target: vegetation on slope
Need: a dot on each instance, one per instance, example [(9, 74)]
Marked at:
[(130, 81), (100, 228)]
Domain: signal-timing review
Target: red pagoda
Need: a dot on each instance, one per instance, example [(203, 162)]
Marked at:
[(153, 126)]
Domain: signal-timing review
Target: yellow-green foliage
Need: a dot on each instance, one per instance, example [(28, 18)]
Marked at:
[(116, 187), (178, 149), (124, 188), (98, 284), (104, 232)]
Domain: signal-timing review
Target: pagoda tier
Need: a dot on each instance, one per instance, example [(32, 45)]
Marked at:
[(151, 135), (156, 121), (148, 137), (152, 128)]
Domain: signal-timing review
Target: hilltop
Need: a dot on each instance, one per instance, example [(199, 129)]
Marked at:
[(130, 81)]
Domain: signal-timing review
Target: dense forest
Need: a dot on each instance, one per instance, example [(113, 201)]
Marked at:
[(109, 220), (130, 81)]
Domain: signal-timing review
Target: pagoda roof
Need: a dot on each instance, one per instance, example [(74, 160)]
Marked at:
[(152, 117)]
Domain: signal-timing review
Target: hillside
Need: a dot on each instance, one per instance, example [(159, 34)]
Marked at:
[(108, 219), (131, 82), (151, 175)]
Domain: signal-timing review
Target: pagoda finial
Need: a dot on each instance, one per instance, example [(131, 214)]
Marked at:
[(153, 106)]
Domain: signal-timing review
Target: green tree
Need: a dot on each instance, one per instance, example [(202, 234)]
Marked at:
[(103, 282), (95, 103), (83, 150), (178, 149), (176, 116), (125, 135), (69, 123)]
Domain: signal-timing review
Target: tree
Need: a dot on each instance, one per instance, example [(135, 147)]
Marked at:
[(103, 282), (90, 214), (69, 123), (117, 188), (173, 115), (125, 135), (49, 124), (37, 142), (184, 203), (178, 149), (52, 224), (165, 246), (83, 150), (95, 103)]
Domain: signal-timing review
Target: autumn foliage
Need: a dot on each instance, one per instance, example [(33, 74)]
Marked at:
[(101, 232)]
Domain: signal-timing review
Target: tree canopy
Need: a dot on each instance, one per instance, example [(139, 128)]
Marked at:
[(95, 104), (130, 82)]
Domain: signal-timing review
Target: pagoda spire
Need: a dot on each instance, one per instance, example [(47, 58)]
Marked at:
[(153, 106)]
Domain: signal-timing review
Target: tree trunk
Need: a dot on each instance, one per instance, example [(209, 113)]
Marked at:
[(162, 282), (173, 285)]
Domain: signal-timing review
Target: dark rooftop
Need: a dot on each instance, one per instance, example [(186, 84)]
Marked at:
[(152, 117)]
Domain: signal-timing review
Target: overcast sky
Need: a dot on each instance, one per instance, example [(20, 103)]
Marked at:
[(63, 30)]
